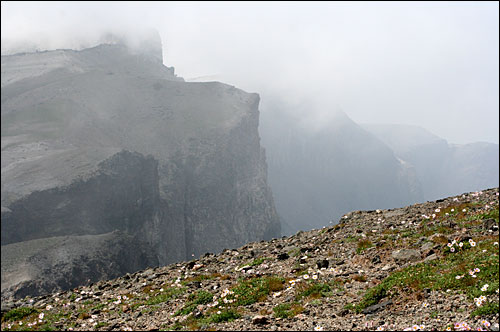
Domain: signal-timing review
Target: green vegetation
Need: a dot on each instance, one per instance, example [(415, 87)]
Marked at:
[(19, 313), (363, 244), (286, 310), (200, 297), (255, 262), (313, 289), (487, 309), (166, 295), (255, 289)]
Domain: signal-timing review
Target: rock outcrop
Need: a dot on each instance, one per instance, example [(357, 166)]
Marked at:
[(106, 139)]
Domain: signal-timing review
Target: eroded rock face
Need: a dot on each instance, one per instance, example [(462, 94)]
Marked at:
[(104, 139)]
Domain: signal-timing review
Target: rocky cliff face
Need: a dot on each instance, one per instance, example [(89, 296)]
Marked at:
[(318, 175), (106, 139)]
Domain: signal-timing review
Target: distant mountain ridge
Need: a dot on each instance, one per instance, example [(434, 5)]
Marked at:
[(442, 168)]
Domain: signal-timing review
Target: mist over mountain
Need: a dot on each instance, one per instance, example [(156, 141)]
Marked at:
[(317, 175), (320, 172), (107, 145), (442, 168)]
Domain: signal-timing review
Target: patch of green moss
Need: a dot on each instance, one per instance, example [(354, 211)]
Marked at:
[(18, 313), (200, 297)]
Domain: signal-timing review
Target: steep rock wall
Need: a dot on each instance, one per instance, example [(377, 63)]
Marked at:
[(110, 141)]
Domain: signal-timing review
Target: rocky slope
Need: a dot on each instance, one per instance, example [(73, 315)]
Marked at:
[(108, 139), (430, 266)]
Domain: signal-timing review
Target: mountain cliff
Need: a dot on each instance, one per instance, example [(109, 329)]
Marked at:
[(108, 144), (317, 175)]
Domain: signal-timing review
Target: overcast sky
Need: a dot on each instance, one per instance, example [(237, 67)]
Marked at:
[(432, 64)]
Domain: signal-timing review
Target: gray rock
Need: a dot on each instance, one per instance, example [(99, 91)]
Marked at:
[(406, 255), (431, 258), (427, 246), (376, 307), (387, 267)]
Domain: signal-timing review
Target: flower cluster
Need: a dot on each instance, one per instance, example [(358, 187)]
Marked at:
[(472, 273), (462, 326), (224, 295), (456, 246), (480, 300), (415, 328)]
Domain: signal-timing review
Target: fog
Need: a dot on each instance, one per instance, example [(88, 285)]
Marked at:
[(431, 64)]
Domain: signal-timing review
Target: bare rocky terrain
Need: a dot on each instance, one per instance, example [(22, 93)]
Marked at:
[(429, 266)]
